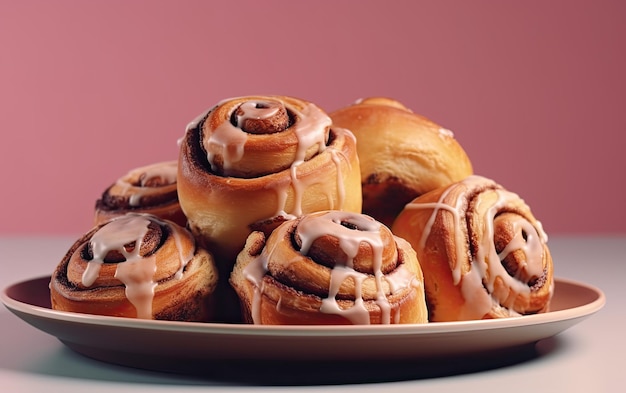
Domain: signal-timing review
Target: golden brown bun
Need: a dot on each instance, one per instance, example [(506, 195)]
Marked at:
[(461, 233), (148, 189), (136, 266), (238, 172), (329, 268), (402, 154)]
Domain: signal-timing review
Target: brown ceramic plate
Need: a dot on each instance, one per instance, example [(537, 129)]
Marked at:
[(166, 345)]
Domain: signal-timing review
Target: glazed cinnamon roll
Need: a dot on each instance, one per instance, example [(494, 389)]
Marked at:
[(251, 162), (147, 189), (402, 154), (329, 267), (483, 253), (136, 266)]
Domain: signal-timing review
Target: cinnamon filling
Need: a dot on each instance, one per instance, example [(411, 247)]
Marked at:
[(329, 248), (145, 180), (261, 117), (513, 262), (149, 245), (110, 201)]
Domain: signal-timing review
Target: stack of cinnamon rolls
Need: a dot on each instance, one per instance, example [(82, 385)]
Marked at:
[(277, 212)]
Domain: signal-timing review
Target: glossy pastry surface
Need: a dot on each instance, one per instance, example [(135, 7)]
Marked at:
[(402, 154), (483, 253), (258, 160), (330, 268), (136, 266), (147, 189)]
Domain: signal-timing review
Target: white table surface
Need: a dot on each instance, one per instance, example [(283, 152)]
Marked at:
[(588, 357)]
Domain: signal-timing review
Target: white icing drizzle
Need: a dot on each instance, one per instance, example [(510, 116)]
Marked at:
[(444, 132), (136, 272), (532, 247), (229, 140), (256, 110), (402, 278), (184, 259), (166, 171), (314, 226), (486, 266), (300, 185), (196, 121), (254, 273), (310, 128), (357, 314)]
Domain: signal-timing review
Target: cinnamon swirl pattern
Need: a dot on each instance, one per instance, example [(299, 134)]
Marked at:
[(136, 266), (147, 189), (482, 252), (259, 160), (329, 267)]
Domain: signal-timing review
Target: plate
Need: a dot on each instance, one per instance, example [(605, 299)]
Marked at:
[(170, 346)]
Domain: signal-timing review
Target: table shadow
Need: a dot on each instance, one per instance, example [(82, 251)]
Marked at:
[(330, 372), (66, 362)]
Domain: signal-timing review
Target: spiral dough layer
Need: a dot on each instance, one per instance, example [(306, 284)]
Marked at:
[(330, 267), (148, 189), (259, 160), (483, 253), (137, 266)]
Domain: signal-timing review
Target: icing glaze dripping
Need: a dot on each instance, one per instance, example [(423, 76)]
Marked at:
[(166, 172), (310, 228), (486, 265), (310, 128), (229, 140), (136, 272)]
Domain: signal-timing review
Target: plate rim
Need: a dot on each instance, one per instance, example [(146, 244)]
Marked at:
[(231, 329)]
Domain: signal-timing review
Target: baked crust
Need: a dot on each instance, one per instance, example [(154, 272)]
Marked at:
[(155, 272), (483, 253), (292, 176), (402, 154), (329, 268)]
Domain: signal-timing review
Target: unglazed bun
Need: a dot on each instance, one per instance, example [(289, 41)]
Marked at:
[(329, 268), (402, 154), (148, 189), (136, 266), (483, 253), (250, 163)]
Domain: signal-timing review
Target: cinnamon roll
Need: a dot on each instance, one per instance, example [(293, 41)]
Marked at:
[(147, 189), (482, 252), (250, 163), (329, 267), (402, 154), (136, 266)]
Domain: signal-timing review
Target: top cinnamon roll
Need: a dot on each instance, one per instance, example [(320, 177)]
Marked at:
[(254, 160)]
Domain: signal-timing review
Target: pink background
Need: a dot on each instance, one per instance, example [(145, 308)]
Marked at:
[(535, 91)]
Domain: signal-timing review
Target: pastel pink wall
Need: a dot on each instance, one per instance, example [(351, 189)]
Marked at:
[(534, 90)]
